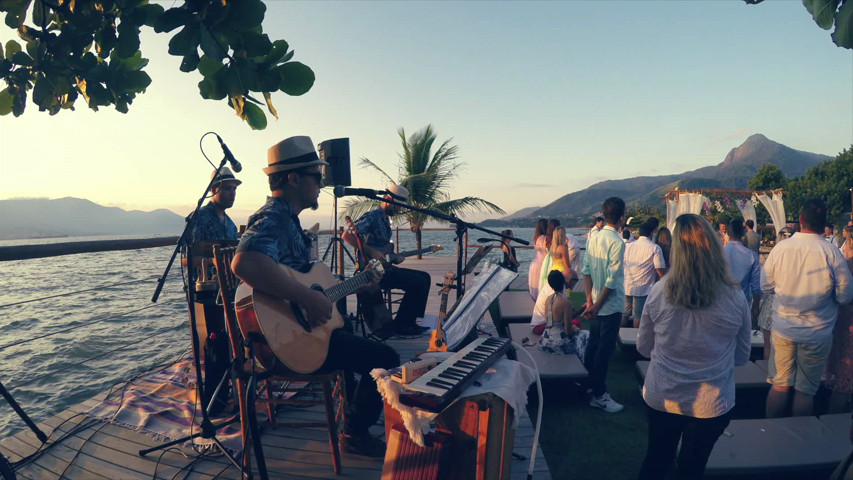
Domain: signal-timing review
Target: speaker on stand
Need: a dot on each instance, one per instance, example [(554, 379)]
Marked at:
[(335, 152)]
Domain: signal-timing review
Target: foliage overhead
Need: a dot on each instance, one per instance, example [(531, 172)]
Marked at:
[(428, 175), (827, 13), (91, 49), (829, 181)]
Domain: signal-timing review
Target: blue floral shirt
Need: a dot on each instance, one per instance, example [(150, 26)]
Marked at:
[(275, 231), (376, 226), (208, 227)]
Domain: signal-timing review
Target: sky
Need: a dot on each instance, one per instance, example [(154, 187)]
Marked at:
[(541, 98)]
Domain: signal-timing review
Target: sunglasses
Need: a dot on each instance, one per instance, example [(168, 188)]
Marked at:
[(317, 176)]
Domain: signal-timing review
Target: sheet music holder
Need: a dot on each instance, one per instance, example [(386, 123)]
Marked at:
[(481, 292), (475, 259)]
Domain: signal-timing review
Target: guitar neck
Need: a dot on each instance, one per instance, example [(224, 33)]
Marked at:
[(409, 253), (348, 286)]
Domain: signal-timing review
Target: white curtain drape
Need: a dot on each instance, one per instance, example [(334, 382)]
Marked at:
[(747, 209), (671, 213), (775, 207)]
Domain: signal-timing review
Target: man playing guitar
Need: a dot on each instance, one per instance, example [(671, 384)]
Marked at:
[(274, 236), (376, 226)]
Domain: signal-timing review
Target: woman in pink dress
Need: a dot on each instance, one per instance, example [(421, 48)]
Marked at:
[(533, 271), (839, 367)]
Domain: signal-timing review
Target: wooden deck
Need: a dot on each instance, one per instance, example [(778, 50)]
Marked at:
[(97, 450)]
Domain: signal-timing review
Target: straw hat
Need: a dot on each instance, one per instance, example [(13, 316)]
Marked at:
[(225, 175), (292, 153), (397, 190)]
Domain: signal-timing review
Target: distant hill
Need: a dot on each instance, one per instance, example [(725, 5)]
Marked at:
[(42, 217), (734, 172), (524, 212)]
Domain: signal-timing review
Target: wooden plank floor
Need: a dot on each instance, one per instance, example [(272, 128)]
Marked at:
[(97, 450)]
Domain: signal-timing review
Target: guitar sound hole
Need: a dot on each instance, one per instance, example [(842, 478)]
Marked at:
[(317, 287)]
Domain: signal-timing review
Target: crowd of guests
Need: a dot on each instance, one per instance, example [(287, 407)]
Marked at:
[(695, 294)]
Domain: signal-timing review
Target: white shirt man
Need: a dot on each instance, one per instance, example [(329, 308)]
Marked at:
[(644, 264), (743, 262), (810, 279)]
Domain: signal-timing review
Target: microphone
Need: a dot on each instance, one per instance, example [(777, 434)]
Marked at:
[(230, 156), (342, 191), (486, 240)]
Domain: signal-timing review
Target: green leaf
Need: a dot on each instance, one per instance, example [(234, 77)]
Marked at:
[(43, 93), (823, 11), (136, 81), (2, 55), (210, 88), (128, 39), (6, 102), (208, 66), (254, 116), (38, 13), (210, 46), (16, 12), (190, 62), (246, 16), (133, 62), (233, 83), (185, 41), (105, 41), (843, 34), (256, 45), (19, 103), (22, 58), (296, 78), (12, 47), (172, 19), (279, 48), (152, 13)]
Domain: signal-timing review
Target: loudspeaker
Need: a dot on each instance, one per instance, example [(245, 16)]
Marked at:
[(336, 153)]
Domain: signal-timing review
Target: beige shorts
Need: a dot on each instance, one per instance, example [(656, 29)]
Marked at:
[(798, 365)]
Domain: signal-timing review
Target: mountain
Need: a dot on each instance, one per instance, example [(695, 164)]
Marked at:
[(523, 213), (42, 217), (734, 172)]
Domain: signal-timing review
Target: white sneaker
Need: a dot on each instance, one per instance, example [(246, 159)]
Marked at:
[(606, 403)]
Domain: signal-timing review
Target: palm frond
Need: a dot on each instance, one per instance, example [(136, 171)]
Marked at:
[(356, 207), (367, 163)]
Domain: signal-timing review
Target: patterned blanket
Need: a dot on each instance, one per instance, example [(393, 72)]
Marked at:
[(164, 404)]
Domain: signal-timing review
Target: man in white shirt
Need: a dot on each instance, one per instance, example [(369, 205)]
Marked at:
[(574, 259), (605, 297), (743, 263), (810, 279), (644, 265)]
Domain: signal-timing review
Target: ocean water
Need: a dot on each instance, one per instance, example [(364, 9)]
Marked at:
[(108, 328)]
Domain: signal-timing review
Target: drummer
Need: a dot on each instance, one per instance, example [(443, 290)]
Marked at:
[(213, 224)]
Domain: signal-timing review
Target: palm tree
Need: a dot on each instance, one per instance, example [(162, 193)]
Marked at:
[(427, 175)]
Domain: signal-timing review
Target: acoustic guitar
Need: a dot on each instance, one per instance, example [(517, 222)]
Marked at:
[(436, 337), (284, 325)]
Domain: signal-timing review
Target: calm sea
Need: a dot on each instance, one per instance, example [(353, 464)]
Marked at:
[(109, 329)]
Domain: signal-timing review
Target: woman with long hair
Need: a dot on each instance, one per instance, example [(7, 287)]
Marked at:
[(509, 260), (696, 329), (533, 271), (560, 259), (546, 262), (664, 241)]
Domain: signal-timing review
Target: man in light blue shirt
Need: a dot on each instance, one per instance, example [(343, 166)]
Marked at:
[(810, 279), (605, 299), (743, 262)]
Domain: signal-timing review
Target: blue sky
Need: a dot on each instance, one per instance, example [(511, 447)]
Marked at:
[(542, 98)]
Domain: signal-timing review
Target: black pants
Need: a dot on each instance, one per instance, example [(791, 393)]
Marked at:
[(355, 354), (416, 286), (697, 435), (603, 332)]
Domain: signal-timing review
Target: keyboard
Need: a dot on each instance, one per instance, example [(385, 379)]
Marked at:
[(435, 389)]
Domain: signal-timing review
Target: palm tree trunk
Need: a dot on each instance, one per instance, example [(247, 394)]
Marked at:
[(418, 240)]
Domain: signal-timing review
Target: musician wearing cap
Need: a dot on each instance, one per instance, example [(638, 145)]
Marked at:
[(274, 236), (375, 225), (213, 223)]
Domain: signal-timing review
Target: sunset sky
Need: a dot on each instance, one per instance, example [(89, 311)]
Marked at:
[(542, 98)]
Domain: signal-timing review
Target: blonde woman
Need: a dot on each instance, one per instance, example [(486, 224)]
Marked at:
[(695, 328), (560, 259), (535, 267)]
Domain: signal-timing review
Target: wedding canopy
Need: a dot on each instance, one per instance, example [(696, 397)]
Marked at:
[(679, 202)]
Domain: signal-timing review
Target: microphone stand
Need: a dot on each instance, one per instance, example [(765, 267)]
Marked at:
[(461, 227), (208, 428)]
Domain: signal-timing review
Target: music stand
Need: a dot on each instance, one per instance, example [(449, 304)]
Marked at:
[(468, 311)]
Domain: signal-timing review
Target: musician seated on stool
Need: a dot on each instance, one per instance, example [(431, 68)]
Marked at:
[(213, 223), (275, 236), (376, 226)]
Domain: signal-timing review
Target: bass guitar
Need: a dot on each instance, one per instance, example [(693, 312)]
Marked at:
[(284, 325), (388, 250), (436, 337)]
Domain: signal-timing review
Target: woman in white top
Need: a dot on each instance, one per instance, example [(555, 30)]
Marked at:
[(695, 328), (533, 271)]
